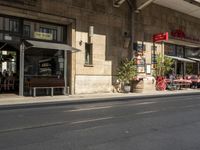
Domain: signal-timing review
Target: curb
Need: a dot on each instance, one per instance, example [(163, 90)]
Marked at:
[(90, 100)]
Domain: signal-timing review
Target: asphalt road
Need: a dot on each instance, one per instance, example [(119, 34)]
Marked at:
[(167, 123)]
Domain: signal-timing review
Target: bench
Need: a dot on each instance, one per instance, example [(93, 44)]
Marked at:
[(45, 83)]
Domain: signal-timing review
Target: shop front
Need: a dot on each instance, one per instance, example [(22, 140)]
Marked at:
[(33, 57), (185, 52)]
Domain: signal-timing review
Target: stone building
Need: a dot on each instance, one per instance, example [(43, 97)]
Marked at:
[(94, 29), (75, 46), (182, 26)]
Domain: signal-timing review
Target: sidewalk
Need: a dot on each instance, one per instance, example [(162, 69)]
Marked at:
[(8, 101)]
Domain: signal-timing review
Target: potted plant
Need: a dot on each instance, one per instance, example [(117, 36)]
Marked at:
[(163, 67), (126, 72)]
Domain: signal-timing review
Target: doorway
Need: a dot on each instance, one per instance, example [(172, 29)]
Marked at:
[(9, 69)]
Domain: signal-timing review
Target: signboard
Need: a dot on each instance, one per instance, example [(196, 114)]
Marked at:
[(180, 34), (43, 36), (160, 37), (148, 69)]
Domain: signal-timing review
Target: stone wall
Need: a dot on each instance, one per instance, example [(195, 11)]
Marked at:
[(109, 23), (155, 19)]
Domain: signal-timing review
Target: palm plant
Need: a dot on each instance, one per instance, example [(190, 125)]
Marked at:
[(127, 70), (164, 65)]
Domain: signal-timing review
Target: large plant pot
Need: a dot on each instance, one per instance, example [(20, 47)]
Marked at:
[(127, 88), (137, 86)]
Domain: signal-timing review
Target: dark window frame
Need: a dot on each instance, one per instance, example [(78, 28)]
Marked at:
[(88, 50), (54, 32), (12, 24), (29, 32)]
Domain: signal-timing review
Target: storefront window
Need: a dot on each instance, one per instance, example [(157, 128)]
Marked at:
[(40, 62), (180, 51), (1, 23), (14, 25), (51, 31), (26, 30), (43, 31), (192, 52), (170, 49), (8, 61)]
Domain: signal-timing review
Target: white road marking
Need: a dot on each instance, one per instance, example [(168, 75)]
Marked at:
[(90, 108), (146, 112), (91, 120), (143, 103)]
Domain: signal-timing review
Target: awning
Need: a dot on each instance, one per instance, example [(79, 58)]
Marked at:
[(48, 45), (195, 59), (181, 59)]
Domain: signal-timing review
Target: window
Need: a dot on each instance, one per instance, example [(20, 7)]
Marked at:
[(50, 31), (14, 25), (170, 49), (26, 31), (88, 54), (180, 52), (1, 23)]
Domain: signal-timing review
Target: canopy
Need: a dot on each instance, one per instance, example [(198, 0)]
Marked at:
[(195, 59), (49, 45), (181, 59)]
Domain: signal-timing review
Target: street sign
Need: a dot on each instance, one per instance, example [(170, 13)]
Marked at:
[(160, 37)]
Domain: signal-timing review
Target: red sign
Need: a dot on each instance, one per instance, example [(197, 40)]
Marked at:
[(179, 34), (160, 37)]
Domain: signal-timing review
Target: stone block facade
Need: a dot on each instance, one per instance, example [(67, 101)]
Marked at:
[(109, 24)]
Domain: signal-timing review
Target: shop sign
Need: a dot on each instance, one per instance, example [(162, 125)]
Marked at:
[(8, 38), (178, 33), (43, 36), (160, 37)]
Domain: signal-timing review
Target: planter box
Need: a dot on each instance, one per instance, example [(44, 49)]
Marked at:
[(137, 86)]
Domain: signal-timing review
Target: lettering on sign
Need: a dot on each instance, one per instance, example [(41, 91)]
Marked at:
[(179, 34), (160, 37), (43, 36)]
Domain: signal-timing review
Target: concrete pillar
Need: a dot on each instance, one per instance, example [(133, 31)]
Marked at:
[(71, 36), (21, 70), (184, 68)]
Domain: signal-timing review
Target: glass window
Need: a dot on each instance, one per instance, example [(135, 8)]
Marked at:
[(14, 25), (1, 23), (180, 52), (88, 53), (192, 52), (170, 49), (39, 62), (26, 30), (8, 61), (51, 31), (54, 32)]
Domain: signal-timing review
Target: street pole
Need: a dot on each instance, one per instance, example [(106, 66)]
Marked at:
[(21, 72)]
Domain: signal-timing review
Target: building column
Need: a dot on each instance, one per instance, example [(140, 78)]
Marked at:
[(175, 67), (184, 68), (21, 70), (65, 72)]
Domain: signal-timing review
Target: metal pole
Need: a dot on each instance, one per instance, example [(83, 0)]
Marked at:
[(65, 72), (21, 72)]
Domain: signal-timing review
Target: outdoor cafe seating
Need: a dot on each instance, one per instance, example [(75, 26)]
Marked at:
[(178, 83)]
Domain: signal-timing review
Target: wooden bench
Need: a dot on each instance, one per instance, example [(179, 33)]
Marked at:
[(45, 83)]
